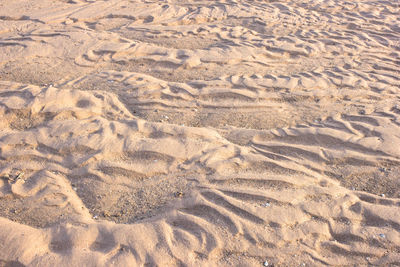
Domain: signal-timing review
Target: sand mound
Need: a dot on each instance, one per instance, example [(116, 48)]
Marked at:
[(179, 133)]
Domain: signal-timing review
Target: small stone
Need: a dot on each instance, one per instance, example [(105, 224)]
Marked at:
[(179, 194), (106, 214), (19, 175)]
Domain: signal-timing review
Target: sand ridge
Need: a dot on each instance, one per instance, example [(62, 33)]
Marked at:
[(199, 133)]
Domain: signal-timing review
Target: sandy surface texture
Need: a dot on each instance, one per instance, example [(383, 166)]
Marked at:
[(199, 133)]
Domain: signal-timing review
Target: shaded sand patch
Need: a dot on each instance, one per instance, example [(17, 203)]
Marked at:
[(143, 198)]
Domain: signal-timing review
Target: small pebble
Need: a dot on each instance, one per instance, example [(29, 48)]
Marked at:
[(19, 175), (179, 194)]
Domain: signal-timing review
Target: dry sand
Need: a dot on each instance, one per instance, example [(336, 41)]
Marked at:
[(199, 133)]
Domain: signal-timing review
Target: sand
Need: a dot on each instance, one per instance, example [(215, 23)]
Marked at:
[(199, 133)]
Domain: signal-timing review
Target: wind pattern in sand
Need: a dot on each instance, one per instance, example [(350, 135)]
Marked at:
[(200, 133)]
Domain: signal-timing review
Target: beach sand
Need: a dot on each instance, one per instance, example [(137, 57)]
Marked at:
[(199, 133)]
